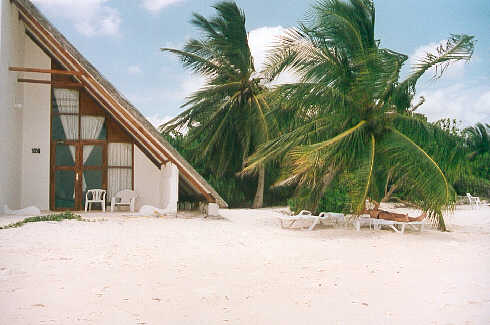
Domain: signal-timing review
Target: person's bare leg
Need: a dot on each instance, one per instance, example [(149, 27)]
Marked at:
[(393, 216), (419, 218)]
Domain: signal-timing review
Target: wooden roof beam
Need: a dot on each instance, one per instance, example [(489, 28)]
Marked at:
[(50, 71), (59, 84)]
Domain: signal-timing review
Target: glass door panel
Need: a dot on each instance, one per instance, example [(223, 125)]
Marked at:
[(65, 155), (92, 168), (65, 176), (64, 127), (64, 189), (93, 155)]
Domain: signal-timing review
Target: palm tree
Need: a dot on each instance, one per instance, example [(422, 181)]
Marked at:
[(228, 114), (357, 114), (478, 139)]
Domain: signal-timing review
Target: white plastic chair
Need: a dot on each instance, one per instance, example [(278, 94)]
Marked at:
[(96, 196), (474, 200), (124, 198)]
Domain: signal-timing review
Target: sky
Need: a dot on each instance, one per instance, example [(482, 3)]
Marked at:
[(122, 39)]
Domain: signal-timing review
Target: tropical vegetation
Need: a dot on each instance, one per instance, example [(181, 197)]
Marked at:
[(345, 132), (356, 110), (228, 114)]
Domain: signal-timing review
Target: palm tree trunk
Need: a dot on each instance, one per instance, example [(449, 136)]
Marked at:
[(327, 179), (259, 195), (442, 224)]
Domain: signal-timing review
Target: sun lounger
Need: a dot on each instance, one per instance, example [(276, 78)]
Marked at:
[(378, 223), (289, 221), (324, 217), (358, 221), (331, 218)]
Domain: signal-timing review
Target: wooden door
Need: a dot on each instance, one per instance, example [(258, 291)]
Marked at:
[(92, 167), (65, 177)]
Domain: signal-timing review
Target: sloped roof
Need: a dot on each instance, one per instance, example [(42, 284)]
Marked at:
[(121, 108)]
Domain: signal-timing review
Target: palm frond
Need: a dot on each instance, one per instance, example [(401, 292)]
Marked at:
[(425, 184), (456, 48), (198, 64)]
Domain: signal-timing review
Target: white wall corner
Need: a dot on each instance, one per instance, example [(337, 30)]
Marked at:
[(213, 210), (11, 54), (169, 188)]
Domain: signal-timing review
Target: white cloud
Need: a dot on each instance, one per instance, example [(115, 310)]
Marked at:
[(165, 100), (157, 5), (90, 17), (455, 69), (189, 84), (462, 102), (158, 119), (261, 41), (134, 70)]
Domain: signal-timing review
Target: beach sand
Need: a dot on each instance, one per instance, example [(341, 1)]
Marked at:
[(243, 269)]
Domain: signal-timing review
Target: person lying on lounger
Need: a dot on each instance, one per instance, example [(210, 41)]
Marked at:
[(376, 213)]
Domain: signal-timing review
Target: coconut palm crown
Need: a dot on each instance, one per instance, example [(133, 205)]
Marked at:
[(478, 139), (355, 111), (227, 115)]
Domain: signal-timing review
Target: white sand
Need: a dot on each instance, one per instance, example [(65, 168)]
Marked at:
[(243, 270)]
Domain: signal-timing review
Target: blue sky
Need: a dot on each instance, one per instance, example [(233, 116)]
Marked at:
[(122, 39)]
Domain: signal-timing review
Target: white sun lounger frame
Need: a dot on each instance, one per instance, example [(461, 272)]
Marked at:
[(303, 215), (307, 215), (378, 223)]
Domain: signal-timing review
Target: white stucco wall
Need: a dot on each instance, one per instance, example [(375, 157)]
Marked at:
[(24, 122), (146, 180), (155, 187), (11, 54), (35, 130)]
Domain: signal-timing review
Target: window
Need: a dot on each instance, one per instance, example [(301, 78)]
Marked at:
[(89, 150), (65, 105), (120, 168)]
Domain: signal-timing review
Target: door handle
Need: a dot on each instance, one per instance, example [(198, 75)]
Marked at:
[(76, 177)]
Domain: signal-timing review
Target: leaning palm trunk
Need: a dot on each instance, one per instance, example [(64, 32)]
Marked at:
[(259, 195), (442, 224)]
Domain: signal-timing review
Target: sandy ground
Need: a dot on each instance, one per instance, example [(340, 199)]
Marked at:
[(243, 269)]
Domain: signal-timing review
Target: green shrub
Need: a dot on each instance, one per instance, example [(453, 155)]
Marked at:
[(335, 199), (50, 217)]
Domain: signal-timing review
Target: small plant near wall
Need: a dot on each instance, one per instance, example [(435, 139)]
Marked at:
[(50, 217)]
